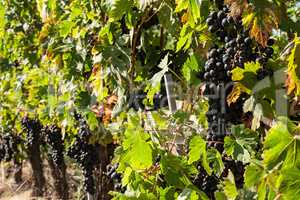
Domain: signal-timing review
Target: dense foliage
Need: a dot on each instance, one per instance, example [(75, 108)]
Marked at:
[(83, 86)]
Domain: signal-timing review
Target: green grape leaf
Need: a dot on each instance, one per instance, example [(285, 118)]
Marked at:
[(181, 5), (230, 189), (188, 194), (184, 41), (241, 144), (127, 176), (75, 10), (289, 183), (215, 159), (166, 193), (195, 9), (160, 122), (220, 196), (118, 8), (253, 175), (176, 170), (153, 86), (281, 146), (65, 28), (262, 190), (92, 121), (138, 151), (240, 73), (198, 151), (189, 68), (2, 20)]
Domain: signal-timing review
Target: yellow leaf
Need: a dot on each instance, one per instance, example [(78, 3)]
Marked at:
[(261, 23), (98, 83), (234, 95), (293, 72), (184, 18)]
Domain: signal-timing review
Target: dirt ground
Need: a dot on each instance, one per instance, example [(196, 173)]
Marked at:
[(11, 191)]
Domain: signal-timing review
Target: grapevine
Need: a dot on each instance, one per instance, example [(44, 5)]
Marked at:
[(172, 99), (32, 128), (53, 138), (85, 155)]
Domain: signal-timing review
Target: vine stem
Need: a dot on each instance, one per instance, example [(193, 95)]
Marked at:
[(177, 76)]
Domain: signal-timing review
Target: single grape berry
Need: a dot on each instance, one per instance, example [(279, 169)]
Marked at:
[(271, 42)]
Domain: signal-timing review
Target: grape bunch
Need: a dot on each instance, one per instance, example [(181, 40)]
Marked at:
[(206, 183), (53, 138), (239, 48), (84, 132), (84, 154), (115, 177), (32, 129), (233, 48), (237, 168), (9, 146), (2, 152)]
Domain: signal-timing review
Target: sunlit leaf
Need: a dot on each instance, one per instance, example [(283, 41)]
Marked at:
[(293, 80), (198, 152)]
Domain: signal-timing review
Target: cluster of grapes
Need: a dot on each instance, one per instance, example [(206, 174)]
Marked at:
[(237, 168), (84, 154), (206, 183), (9, 147), (53, 138), (115, 177), (233, 48), (239, 47), (32, 128), (84, 132)]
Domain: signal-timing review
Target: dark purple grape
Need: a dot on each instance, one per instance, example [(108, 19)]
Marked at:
[(214, 15), (271, 42), (248, 41), (221, 15), (269, 51), (212, 28), (225, 23), (210, 21)]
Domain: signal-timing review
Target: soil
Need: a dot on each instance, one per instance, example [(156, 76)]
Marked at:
[(9, 190)]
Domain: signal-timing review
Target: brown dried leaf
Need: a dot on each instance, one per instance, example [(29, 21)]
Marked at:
[(104, 111), (237, 7), (98, 110), (112, 100), (234, 95), (185, 18), (290, 83), (107, 115), (236, 92), (262, 25)]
